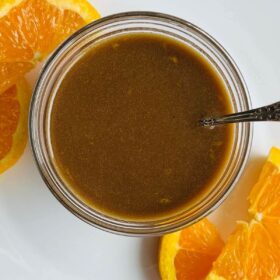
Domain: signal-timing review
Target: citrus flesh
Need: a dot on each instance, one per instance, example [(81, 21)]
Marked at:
[(29, 31), (189, 253), (253, 250), (14, 104)]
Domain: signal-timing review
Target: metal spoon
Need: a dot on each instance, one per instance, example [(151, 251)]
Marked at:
[(266, 113)]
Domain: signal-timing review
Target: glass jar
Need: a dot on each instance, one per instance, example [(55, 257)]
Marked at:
[(72, 50)]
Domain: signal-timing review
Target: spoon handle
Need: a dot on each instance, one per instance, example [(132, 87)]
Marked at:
[(265, 113)]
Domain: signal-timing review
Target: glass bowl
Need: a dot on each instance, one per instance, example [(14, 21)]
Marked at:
[(71, 50)]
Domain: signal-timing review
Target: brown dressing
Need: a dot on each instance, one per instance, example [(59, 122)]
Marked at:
[(124, 127)]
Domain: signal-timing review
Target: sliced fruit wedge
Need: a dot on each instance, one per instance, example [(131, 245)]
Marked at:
[(189, 253), (31, 29), (14, 104)]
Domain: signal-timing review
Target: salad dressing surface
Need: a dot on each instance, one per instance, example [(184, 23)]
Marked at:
[(124, 126)]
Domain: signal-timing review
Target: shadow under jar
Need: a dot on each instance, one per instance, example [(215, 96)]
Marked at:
[(114, 123)]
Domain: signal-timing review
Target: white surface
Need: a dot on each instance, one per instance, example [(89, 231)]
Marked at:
[(39, 239)]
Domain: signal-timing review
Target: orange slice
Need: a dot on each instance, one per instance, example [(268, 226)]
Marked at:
[(14, 104), (253, 251), (230, 263), (265, 195), (250, 253), (189, 253), (31, 29)]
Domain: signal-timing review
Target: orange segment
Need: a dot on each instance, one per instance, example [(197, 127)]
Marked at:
[(14, 104), (189, 253), (264, 197), (10, 73), (272, 225), (231, 262), (253, 251), (263, 257), (31, 29), (250, 254)]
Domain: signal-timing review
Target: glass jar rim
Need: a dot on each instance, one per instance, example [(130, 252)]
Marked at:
[(38, 108)]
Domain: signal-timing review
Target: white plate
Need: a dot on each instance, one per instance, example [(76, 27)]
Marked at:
[(40, 239)]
